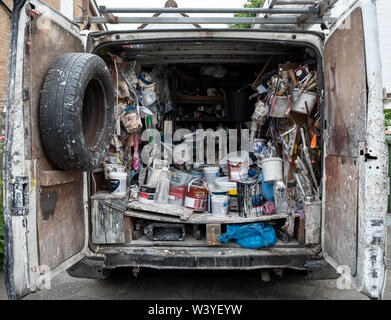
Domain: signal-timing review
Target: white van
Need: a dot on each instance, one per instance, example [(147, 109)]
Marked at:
[(50, 156)]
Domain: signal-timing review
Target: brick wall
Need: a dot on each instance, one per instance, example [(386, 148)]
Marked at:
[(5, 22)]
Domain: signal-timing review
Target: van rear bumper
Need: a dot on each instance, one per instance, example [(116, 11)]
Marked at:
[(208, 258), (298, 258)]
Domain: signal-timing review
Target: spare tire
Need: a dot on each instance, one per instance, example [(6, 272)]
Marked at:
[(77, 112)]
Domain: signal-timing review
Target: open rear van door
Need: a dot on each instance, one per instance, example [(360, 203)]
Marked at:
[(46, 226), (355, 158)]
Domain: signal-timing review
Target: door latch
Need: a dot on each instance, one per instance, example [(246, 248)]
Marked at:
[(20, 196)]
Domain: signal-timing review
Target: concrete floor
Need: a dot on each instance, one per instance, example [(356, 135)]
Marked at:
[(166, 284)]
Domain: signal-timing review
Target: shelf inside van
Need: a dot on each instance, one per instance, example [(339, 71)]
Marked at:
[(199, 99), (200, 218)]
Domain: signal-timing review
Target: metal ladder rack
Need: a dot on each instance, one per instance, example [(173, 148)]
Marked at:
[(299, 13)]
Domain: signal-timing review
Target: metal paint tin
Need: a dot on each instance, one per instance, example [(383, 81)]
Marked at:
[(196, 195), (147, 194), (177, 195)]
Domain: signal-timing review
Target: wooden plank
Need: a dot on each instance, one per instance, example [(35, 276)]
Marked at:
[(312, 221), (202, 218), (128, 229), (168, 209), (191, 241), (300, 230), (107, 222), (340, 216), (56, 177), (213, 231)]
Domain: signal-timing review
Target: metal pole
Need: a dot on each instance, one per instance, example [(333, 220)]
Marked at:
[(103, 9), (200, 20)]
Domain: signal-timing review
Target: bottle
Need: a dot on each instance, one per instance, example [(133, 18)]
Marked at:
[(280, 197), (163, 186)]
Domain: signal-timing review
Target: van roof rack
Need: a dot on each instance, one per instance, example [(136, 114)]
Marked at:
[(282, 12)]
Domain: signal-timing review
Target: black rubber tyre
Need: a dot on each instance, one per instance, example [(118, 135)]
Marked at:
[(77, 112)]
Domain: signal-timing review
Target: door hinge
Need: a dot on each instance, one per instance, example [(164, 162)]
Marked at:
[(26, 94), (20, 196)]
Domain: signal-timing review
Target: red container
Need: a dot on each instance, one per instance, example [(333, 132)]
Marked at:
[(176, 195), (196, 196)]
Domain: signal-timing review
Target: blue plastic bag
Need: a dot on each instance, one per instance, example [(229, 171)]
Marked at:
[(253, 235), (267, 189)]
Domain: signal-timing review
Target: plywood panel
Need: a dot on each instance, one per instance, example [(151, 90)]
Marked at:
[(341, 210), (345, 127), (345, 89), (60, 211)]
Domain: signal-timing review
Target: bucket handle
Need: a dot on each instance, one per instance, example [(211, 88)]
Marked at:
[(202, 182)]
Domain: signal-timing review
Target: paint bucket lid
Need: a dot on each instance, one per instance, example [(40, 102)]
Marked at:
[(224, 184), (271, 159), (216, 190)]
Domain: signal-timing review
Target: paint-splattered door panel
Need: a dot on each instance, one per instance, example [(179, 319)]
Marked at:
[(345, 126), (60, 209), (50, 233), (355, 156)]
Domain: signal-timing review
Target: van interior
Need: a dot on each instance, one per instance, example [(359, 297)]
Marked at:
[(218, 85)]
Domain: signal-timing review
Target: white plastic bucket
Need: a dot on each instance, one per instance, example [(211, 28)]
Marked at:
[(120, 179), (224, 185), (109, 168), (272, 169), (219, 205), (215, 191), (211, 173), (237, 166)]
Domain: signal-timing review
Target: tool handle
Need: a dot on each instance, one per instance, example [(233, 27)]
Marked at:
[(303, 137)]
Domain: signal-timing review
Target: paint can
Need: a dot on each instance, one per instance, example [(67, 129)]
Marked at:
[(111, 167), (147, 194), (272, 169), (299, 101), (210, 174), (180, 178), (280, 108), (224, 184), (196, 195), (118, 182), (196, 173), (249, 198), (176, 195), (216, 192), (237, 165), (219, 205)]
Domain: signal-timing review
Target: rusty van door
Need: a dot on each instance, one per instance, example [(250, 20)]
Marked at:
[(355, 157), (45, 209)]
